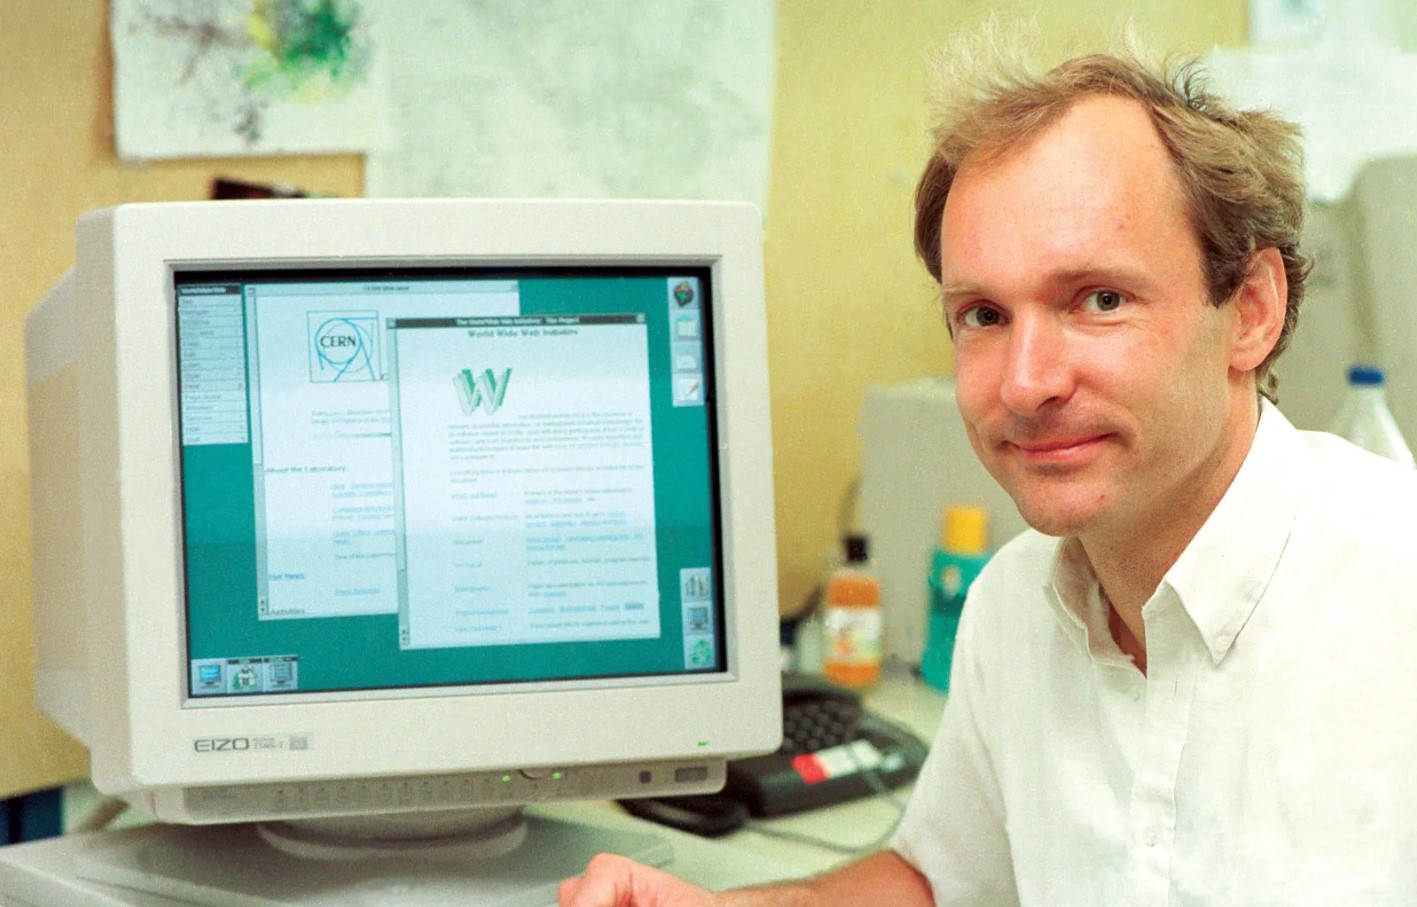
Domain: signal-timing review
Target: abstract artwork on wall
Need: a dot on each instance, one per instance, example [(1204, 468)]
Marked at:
[(240, 77)]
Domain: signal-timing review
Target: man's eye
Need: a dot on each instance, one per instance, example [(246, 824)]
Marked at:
[(1104, 300), (980, 316)]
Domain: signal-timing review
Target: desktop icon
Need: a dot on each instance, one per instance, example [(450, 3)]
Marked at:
[(208, 678), (688, 390), (701, 654), (687, 328), (245, 679)]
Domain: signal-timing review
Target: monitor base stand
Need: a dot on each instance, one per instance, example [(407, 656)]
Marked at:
[(235, 866), (468, 834)]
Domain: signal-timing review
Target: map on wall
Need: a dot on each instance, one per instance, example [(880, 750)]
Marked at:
[(575, 98), (207, 78)]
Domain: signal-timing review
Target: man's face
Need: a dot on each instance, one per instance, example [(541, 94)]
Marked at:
[(1092, 372)]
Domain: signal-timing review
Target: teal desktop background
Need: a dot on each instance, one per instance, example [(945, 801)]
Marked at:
[(352, 653)]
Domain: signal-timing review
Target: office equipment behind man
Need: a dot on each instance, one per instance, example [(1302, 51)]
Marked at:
[(1358, 306), (371, 522)]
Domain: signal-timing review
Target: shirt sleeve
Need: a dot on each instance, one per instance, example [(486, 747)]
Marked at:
[(953, 830)]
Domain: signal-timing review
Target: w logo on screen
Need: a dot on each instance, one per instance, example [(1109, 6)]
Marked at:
[(486, 390)]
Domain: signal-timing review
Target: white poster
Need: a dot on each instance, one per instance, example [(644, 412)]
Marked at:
[(573, 98)]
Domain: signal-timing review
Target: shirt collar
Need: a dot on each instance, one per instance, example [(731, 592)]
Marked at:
[(1076, 597), (1222, 574), (1224, 571)]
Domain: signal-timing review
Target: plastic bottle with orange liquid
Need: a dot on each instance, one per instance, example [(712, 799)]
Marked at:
[(854, 623)]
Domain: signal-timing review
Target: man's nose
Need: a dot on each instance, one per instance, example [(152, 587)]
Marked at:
[(1036, 372)]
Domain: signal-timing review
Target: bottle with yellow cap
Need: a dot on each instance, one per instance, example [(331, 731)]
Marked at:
[(958, 560)]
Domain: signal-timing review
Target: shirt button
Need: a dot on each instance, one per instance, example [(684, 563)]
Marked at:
[(1150, 838), (1134, 692), (1223, 641)]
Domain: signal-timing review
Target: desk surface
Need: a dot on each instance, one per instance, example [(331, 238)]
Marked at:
[(45, 872)]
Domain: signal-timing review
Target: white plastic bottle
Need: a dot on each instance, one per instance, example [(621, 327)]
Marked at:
[(1364, 417)]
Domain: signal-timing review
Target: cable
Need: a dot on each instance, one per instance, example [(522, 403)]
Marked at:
[(846, 508)]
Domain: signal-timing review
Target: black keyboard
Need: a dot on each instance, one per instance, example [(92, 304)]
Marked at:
[(809, 725)]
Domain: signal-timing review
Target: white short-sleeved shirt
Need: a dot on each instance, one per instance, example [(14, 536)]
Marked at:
[(1268, 756)]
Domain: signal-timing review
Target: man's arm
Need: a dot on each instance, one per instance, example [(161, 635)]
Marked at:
[(883, 878)]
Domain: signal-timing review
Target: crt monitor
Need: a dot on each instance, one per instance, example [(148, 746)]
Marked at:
[(401, 515)]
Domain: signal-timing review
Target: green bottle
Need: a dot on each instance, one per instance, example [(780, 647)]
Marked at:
[(956, 562)]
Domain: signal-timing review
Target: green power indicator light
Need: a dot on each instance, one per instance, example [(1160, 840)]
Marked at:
[(506, 779), (557, 776), (703, 743)]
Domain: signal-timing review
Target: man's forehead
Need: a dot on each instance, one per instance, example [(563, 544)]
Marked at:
[(1104, 130), (1083, 189)]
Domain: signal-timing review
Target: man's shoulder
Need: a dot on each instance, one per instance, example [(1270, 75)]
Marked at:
[(1023, 564)]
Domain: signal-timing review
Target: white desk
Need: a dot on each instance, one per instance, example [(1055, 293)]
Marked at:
[(44, 874)]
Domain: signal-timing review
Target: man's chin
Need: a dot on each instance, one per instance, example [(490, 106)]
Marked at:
[(1054, 517)]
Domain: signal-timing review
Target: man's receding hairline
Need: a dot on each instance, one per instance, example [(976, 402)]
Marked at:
[(990, 154)]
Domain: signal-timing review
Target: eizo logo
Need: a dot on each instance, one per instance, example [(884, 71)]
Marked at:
[(485, 390)]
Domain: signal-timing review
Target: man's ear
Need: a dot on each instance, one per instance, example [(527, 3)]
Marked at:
[(1260, 302)]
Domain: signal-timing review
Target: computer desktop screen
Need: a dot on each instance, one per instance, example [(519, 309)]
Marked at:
[(382, 509), (395, 480)]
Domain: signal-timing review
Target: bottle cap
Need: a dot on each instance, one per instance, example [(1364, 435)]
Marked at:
[(1365, 376), (965, 530), (857, 549)]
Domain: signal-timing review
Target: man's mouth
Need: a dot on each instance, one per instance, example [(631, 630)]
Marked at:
[(1060, 451)]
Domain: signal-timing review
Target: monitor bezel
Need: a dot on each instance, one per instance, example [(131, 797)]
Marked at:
[(140, 733)]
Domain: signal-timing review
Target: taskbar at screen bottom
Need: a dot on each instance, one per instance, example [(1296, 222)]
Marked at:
[(225, 678)]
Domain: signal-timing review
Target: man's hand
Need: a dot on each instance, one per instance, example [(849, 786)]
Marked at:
[(614, 881), (882, 878)]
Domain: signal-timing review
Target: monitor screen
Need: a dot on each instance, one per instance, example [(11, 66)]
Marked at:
[(401, 479)]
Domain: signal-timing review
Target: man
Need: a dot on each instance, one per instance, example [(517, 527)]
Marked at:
[(1194, 682)]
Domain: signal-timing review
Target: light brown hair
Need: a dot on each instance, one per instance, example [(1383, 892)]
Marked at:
[(1241, 172)]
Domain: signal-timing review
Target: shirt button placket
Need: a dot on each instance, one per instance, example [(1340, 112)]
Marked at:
[(1169, 685)]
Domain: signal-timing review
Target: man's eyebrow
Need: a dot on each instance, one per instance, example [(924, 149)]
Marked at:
[(960, 289), (1102, 273), (1123, 275)]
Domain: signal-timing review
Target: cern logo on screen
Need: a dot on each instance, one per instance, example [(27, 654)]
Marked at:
[(343, 346)]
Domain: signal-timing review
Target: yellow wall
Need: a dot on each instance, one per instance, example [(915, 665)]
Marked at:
[(848, 305)]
